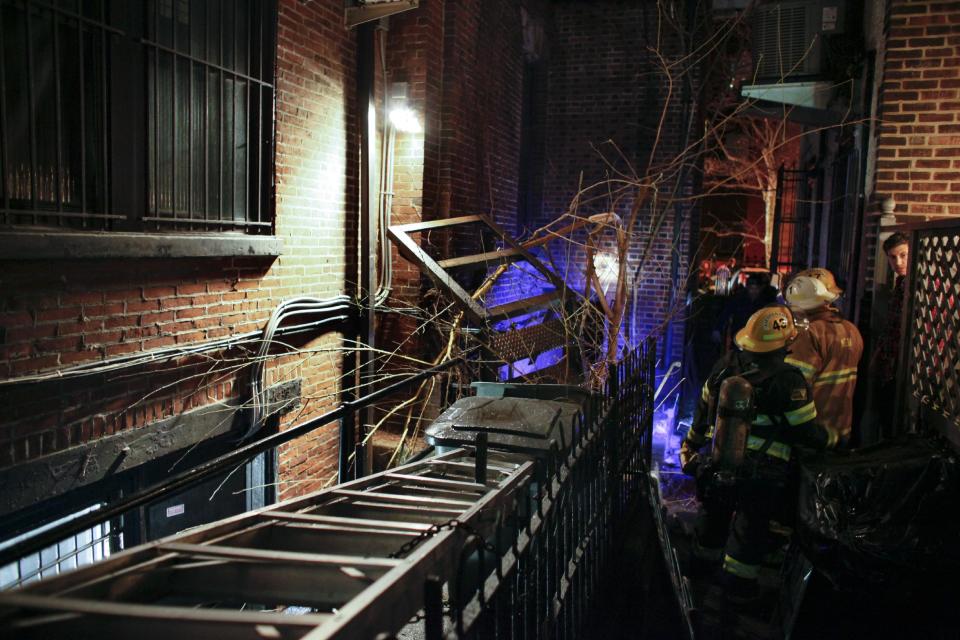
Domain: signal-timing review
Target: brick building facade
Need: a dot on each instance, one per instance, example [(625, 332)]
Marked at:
[(912, 151), (607, 110), (58, 312), (919, 143), (467, 68), (912, 156)]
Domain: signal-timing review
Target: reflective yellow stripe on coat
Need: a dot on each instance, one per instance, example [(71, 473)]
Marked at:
[(806, 413), (836, 377), (740, 569), (809, 371), (775, 450)]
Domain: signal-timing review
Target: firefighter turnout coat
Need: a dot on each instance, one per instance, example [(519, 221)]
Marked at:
[(785, 411), (827, 355)]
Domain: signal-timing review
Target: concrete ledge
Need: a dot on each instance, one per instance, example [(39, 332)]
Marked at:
[(50, 476), (22, 245), (33, 481)]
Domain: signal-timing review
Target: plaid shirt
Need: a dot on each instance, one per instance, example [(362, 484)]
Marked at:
[(888, 347)]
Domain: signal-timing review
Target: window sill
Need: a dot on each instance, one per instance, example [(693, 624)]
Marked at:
[(19, 245)]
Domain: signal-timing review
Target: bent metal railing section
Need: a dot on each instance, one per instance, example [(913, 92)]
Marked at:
[(472, 543)]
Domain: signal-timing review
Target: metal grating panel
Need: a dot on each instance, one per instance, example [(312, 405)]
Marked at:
[(528, 342), (796, 217), (934, 328)]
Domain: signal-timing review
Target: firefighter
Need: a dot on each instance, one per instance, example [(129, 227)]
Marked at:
[(828, 352), (741, 305), (781, 415)]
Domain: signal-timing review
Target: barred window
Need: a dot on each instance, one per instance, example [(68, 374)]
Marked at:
[(137, 115), (83, 548)]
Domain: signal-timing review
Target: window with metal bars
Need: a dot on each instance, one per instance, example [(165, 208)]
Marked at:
[(137, 115), (74, 551)]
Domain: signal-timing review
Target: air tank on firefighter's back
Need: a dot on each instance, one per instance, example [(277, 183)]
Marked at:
[(734, 415)]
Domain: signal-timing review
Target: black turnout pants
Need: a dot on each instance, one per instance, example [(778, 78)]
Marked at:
[(760, 495)]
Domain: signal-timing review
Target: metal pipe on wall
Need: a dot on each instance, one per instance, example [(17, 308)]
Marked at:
[(366, 125)]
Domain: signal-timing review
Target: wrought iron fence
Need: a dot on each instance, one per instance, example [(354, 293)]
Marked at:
[(544, 580), (470, 544)]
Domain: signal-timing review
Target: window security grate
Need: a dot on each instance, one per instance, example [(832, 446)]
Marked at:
[(795, 219), (75, 551), (137, 114)]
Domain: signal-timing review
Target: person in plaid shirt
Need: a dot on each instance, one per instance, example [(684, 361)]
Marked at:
[(884, 361)]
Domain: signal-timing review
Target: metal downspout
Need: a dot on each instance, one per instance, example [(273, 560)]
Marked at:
[(366, 124)]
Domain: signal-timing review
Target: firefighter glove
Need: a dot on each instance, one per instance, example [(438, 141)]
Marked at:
[(689, 458)]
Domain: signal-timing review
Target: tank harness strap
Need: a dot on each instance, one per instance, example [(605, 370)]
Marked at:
[(747, 414), (779, 420)]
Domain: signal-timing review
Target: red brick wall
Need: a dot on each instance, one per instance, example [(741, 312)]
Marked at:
[(61, 313), (58, 313), (463, 63), (918, 151), (414, 54), (316, 204), (604, 87), (482, 92)]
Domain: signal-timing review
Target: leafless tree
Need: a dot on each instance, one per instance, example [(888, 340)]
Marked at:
[(745, 157)]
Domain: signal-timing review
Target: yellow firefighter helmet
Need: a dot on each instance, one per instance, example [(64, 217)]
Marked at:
[(806, 293), (768, 329), (824, 276)]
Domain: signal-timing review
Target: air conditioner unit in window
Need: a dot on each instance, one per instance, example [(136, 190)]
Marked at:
[(788, 38)]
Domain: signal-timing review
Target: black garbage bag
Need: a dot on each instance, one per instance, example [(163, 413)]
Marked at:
[(883, 518)]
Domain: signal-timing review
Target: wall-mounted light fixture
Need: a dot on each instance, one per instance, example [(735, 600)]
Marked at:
[(402, 117)]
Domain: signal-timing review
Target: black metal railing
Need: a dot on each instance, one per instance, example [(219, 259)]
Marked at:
[(545, 576), (522, 551)]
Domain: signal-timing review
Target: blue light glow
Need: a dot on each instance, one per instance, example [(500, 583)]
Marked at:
[(527, 366), (643, 317), (520, 281), (666, 437)]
